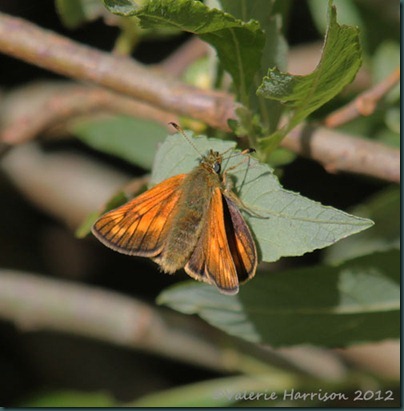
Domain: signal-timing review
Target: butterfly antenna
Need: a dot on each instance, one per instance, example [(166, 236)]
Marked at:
[(180, 130), (247, 151), (243, 152)]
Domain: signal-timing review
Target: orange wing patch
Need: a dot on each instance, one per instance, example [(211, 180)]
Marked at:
[(212, 260), (139, 227)]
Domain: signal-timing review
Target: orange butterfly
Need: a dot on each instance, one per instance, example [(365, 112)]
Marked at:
[(189, 221)]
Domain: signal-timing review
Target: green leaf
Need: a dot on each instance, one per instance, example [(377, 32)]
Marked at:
[(271, 15), (347, 11), (133, 140), (176, 155), (288, 223), (385, 60), (340, 61), (74, 13), (220, 392), (117, 200), (55, 399), (357, 301), (238, 44), (393, 122), (121, 7), (85, 227), (384, 210)]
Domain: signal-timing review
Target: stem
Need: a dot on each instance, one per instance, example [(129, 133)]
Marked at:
[(35, 302), (49, 50), (57, 103), (340, 152), (365, 103), (43, 48)]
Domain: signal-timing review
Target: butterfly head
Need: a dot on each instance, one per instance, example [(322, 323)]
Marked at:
[(212, 162)]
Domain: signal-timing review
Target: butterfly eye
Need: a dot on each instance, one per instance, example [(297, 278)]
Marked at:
[(216, 167)]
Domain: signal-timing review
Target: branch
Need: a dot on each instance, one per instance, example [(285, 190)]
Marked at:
[(57, 103), (342, 152), (35, 302), (54, 52), (178, 61), (365, 103), (39, 175), (51, 51)]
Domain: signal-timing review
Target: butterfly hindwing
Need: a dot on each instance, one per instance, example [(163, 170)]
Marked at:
[(212, 260), (241, 243)]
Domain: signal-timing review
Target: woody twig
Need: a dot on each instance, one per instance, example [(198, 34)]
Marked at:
[(365, 103), (30, 43)]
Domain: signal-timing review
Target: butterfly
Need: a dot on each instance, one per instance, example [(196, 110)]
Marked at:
[(191, 221)]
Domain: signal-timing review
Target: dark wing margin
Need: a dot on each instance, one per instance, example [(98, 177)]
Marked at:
[(241, 242)]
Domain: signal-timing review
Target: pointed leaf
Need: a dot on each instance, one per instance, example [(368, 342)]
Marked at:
[(348, 11), (340, 61), (288, 223), (384, 209), (121, 7), (356, 301), (220, 392)]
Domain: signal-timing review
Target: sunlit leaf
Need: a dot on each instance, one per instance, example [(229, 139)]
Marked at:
[(271, 14), (356, 301), (221, 392), (121, 7), (384, 209), (339, 63), (239, 44), (284, 223)]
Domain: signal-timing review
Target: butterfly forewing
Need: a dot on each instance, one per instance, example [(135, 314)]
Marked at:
[(140, 226)]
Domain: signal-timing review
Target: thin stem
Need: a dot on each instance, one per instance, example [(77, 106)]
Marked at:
[(365, 103)]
